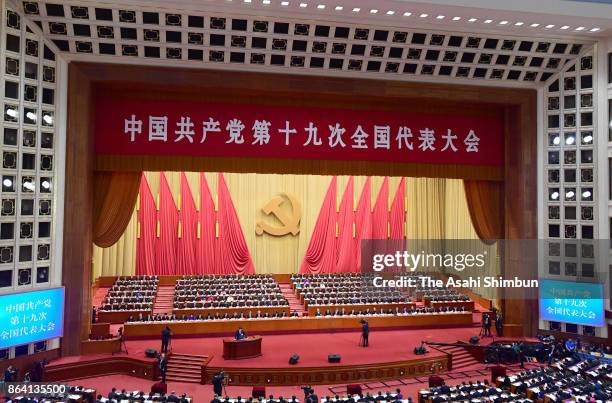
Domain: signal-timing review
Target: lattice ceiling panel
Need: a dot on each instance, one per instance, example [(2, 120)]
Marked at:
[(292, 46)]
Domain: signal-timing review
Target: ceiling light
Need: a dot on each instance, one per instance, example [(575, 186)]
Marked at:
[(424, 15), (588, 138), (46, 184), (303, 5), (534, 25), (569, 194), (339, 8), (11, 112), (7, 183), (390, 12), (266, 2), (48, 119), (247, 1), (456, 18), (570, 140), (565, 27), (554, 195), (407, 14), (488, 21), (440, 17), (373, 11), (321, 6), (556, 140), (580, 29), (284, 3), (586, 194), (31, 116), (518, 24), (473, 19), (594, 29), (504, 22), (549, 26), (356, 10)]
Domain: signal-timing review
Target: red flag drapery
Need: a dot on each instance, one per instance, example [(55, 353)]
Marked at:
[(166, 242), (147, 222), (233, 256), (380, 215), (206, 244), (188, 219), (363, 221), (397, 217), (320, 256), (345, 253)]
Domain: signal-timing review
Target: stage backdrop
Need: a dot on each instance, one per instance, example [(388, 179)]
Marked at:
[(434, 209)]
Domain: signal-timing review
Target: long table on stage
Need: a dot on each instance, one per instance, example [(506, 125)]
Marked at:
[(312, 309), (230, 311), (220, 327), (239, 349), (467, 305)]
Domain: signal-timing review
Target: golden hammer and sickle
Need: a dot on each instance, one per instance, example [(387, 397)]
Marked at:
[(290, 222)]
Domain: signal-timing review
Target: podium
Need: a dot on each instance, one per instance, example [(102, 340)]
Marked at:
[(239, 349)]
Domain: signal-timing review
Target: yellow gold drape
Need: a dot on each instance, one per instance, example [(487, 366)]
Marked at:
[(436, 209)]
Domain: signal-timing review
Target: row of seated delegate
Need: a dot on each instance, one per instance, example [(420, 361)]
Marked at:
[(239, 316), (571, 378), (469, 392), (446, 297), (131, 294), (380, 397), (228, 291), (73, 394)]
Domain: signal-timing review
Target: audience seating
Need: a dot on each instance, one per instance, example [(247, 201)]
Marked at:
[(343, 289), (135, 293), (228, 291), (568, 379)]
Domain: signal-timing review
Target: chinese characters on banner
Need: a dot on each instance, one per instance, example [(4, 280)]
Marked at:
[(579, 303), (31, 316), (130, 127)]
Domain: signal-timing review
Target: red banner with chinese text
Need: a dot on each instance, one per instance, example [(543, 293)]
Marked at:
[(137, 127)]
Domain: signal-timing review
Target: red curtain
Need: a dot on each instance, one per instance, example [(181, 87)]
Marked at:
[(188, 218), (166, 242), (485, 202), (380, 215), (345, 253), (320, 255), (233, 256), (363, 221), (397, 218), (206, 244), (147, 222)]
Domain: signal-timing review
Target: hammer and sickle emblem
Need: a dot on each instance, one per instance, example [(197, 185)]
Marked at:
[(290, 222)]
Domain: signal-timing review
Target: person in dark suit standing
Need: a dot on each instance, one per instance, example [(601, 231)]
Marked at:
[(486, 325), (240, 334), (499, 324), (166, 334), (217, 382), (163, 367), (365, 332)]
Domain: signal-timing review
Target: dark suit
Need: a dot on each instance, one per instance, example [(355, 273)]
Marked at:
[(240, 334), (163, 367), (165, 339), (365, 333)]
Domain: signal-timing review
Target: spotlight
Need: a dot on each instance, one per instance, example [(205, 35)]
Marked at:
[(554, 195), (11, 112), (31, 116), (589, 138), (29, 185), (48, 119), (556, 140), (7, 183), (570, 140), (45, 184), (586, 194), (569, 194)]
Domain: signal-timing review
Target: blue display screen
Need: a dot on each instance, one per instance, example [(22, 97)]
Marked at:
[(570, 302), (29, 317)]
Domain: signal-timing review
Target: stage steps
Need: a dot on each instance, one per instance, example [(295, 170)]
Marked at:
[(294, 302), (185, 368), (164, 300), (461, 358)]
